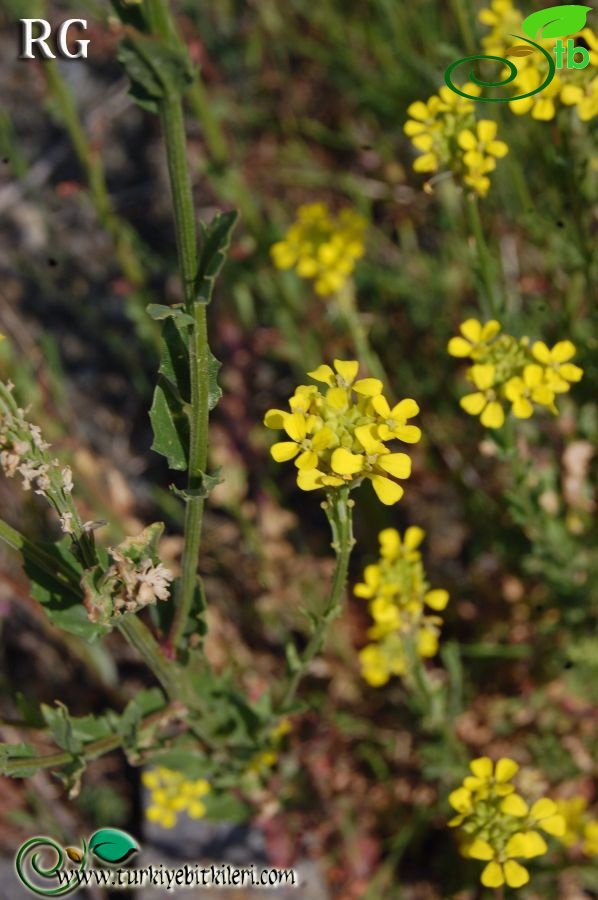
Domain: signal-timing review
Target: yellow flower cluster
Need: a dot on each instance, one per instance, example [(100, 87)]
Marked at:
[(570, 86), (507, 369), (580, 829), (338, 433), (504, 19), (322, 247), (445, 132), (399, 598), (171, 793), (498, 825)]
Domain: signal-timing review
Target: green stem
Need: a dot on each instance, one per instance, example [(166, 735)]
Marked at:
[(173, 126), (486, 267), (91, 751), (140, 637), (339, 512), (158, 19)]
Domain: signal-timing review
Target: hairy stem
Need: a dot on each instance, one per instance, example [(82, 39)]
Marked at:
[(140, 637), (173, 126), (90, 751), (339, 512)]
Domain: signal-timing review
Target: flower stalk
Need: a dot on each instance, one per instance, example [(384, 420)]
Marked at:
[(338, 508)]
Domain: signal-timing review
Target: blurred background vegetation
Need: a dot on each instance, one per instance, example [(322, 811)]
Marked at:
[(298, 103)]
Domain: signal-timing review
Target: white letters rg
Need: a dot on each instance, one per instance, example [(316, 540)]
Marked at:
[(28, 40)]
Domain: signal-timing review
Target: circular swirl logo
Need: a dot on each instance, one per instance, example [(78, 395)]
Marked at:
[(30, 869), (503, 81), (541, 25)]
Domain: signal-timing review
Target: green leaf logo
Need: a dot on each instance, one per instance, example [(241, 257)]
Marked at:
[(112, 846), (556, 22)]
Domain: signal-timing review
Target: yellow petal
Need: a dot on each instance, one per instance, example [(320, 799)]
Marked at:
[(409, 434), (283, 255), (514, 388), (571, 94), (473, 403), (423, 141), (570, 372), (368, 387), (543, 808), (284, 451), (460, 800), (459, 347), (490, 329), (396, 464), (405, 409), (472, 330), (414, 536), (323, 374), (323, 439), (307, 267), (390, 543), (533, 374), (413, 128), (487, 130), (555, 825), (482, 767), (274, 418), (541, 352), (493, 416), (563, 351), (365, 436), (544, 110), (380, 404), (514, 805), (309, 479), (515, 874), (347, 369), (475, 160), (345, 463), (387, 491), (294, 425), (418, 110), (467, 139), (522, 408), (307, 460), (506, 769), (526, 844), (520, 107), (480, 849), (437, 599), (337, 398), (498, 149), (492, 876), (483, 375), (427, 643), (426, 163)]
